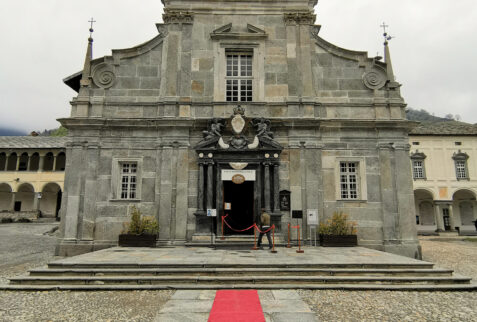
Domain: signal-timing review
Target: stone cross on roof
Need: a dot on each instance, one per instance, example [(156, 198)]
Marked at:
[(91, 30)]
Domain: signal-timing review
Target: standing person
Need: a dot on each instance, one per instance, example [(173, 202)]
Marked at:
[(264, 225), (475, 223)]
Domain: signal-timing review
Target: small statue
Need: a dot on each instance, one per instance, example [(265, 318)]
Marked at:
[(215, 127), (263, 128)]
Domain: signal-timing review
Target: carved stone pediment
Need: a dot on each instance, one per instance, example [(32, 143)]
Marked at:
[(230, 32)]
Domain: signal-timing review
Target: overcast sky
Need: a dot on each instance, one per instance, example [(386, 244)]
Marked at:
[(434, 52)]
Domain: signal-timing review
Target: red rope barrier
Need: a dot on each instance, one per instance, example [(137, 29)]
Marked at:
[(236, 230), (263, 232)]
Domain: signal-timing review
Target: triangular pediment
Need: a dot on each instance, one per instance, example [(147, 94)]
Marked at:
[(229, 32)]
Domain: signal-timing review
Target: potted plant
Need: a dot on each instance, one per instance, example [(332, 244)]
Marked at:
[(140, 232), (338, 231)]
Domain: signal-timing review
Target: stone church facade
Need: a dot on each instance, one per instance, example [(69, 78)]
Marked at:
[(235, 102)]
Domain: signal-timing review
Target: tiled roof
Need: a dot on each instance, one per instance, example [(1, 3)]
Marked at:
[(445, 128), (32, 142)]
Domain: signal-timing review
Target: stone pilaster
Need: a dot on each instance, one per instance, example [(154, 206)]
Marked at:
[(210, 185), (267, 186), (90, 193), (182, 185), (276, 188), (200, 188)]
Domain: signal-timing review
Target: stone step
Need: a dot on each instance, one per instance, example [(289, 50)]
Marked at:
[(240, 272), (236, 280), (348, 287), (118, 265)]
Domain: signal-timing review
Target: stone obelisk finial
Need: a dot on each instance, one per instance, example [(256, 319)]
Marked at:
[(387, 54), (86, 78)]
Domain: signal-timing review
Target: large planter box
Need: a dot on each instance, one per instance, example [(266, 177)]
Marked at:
[(338, 240), (143, 240)]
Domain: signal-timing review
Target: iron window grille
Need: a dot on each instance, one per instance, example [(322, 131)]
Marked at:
[(460, 162), (129, 180), (418, 165), (239, 77), (349, 180)]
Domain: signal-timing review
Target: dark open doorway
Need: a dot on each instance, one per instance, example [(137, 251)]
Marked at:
[(241, 216)]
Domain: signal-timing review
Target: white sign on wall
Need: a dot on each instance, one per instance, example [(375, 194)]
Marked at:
[(227, 175), (211, 212), (312, 216)]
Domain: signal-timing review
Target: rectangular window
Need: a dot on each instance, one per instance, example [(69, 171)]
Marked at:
[(239, 77), (349, 180), (461, 169), (129, 180), (418, 169)]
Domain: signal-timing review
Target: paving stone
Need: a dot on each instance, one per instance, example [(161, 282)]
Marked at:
[(182, 317), (280, 306), (188, 306), (285, 295), (293, 317)]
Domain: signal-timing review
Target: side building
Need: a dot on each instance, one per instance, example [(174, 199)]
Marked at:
[(444, 168), (32, 171)]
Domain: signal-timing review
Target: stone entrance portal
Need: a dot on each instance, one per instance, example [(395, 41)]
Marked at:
[(241, 213), (242, 170)]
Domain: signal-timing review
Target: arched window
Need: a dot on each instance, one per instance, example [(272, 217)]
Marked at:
[(60, 162), (3, 161), (48, 164), (12, 162), (23, 165), (34, 162)]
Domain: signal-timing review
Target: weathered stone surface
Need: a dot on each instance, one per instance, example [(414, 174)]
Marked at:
[(166, 91)]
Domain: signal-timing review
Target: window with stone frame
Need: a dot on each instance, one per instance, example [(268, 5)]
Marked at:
[(349, 180), (128, 184), (239, 76), (460, 163), (418, 165)]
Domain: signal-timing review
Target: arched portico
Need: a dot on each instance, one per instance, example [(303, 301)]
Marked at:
[(6, 197), (426, 219), (50, 201), (25, 198), (464, 204)]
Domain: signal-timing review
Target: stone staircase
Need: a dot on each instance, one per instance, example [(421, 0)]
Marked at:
[(129, 276)]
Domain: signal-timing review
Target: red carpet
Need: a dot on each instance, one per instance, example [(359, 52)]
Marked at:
[(236, 306)]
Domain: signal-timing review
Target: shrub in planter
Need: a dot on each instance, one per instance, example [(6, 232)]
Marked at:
[(7, 220), (338, 231), (141, 231)]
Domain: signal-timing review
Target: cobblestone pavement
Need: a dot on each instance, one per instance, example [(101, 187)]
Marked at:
[(459, 255), (23, 246)]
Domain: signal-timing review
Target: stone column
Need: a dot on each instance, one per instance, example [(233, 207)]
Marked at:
[(266, 187), (451, 217), (200, 190), (36, 202), (18, 162), (438, 216), (12, 201), (210, 185), (6, 162), (276, 188), (54, 163), (29, 161), (41, 162)]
